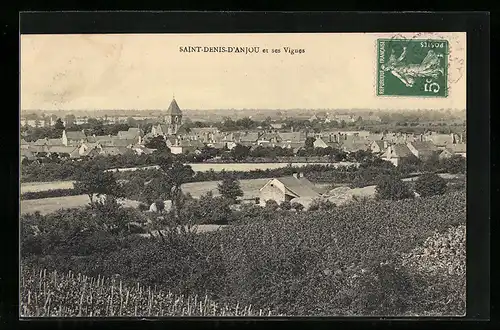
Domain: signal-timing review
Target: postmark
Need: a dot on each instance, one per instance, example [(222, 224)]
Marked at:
[(412, 67)]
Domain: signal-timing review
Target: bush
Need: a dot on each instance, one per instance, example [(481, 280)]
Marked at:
[(321, 204), (143, 207), (297, 206), (271, 204), (430, 184), (49, 193), (285, 205), (392, 188)]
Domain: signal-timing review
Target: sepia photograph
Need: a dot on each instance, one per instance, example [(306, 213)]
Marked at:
[(243, 175)]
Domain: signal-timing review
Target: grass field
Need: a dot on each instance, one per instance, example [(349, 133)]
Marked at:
[(49, 205), (250, 187), (43, 186), (196, 189)]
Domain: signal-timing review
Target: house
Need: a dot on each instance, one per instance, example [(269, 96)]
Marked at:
[(159, 129), (276, 125), (379, 146), (205, 134), (354, 144), (62, 151), (270, 139), (184, 146), (132, 134), (123, 142), (48, 142), (140, 150), (287, 188), (293, 137), (321, 143), (86, 147), (441, 140), (397, 152), (422, 149), (249, 138), (73, 138), (375, 137), (103, 140), (454, 149), (114, 151)]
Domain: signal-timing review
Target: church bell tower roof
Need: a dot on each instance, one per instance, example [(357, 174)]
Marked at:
[(174, 109)]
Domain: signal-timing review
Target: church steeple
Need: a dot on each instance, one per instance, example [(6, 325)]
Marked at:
[(174, 116)]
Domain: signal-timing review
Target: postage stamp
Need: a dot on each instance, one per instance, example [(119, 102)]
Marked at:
[(412, 67)]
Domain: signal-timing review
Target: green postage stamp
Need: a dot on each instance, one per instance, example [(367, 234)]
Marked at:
[(412, 67)]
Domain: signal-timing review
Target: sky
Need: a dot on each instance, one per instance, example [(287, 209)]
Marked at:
[(141, 71)]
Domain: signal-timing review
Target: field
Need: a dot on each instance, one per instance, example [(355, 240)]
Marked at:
[(196, 189), (250, 187), (240, 167), (49, 205), (68, 295), (43, 186)]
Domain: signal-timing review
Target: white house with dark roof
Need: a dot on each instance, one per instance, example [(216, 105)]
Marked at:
[(73, 138), (422, 149), (287, 188), (396, 153)]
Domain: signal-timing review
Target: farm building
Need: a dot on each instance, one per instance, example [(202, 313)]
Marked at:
[(422, 149), (396, 153), (287, 188)]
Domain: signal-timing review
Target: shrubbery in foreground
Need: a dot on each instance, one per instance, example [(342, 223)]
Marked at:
[(341, 261)]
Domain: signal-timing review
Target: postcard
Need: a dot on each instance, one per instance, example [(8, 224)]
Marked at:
[(227, 175)]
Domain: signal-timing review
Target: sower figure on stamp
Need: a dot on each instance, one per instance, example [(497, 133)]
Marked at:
[(407, 73)]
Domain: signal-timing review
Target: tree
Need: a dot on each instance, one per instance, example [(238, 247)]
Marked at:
[(392, 188), (95, 182), (430, 184), (455, 164), (59, 126), (230, 188), (159, 187), (240, 152), (176, 174), (158, 143), (309, 143)]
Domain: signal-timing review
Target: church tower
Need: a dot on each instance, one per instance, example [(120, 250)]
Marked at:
[(173, 117)]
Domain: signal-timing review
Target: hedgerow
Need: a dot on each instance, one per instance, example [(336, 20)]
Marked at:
[(49, 193)]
